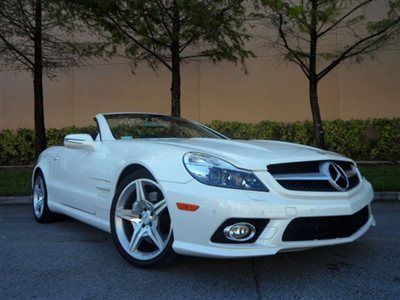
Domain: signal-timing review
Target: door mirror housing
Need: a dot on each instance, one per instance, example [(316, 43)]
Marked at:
[(79, 141)]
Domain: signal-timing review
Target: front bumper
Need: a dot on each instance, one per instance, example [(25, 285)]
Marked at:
[(193, 230)]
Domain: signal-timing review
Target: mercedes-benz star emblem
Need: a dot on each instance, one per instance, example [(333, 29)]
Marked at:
[(336, 176)]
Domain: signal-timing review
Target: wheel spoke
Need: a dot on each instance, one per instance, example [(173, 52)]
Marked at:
[(159, 207), (37, 190), (39, 204), (40, 186), (139, 191), (140, 196), (156, 237), (126, 214), (136, 237)]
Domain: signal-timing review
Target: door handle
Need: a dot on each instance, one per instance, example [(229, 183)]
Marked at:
[(56, 157)]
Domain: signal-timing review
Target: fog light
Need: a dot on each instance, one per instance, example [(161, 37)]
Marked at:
[(239, 232)]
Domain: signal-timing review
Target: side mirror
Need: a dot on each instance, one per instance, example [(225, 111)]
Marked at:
[(79, 141)]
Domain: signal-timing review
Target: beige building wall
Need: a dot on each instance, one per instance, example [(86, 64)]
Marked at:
[(271, 90)]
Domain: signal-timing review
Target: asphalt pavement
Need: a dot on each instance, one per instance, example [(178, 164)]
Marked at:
[(71, 260)]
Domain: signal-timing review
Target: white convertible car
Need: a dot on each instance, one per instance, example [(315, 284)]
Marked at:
[(161, 185)]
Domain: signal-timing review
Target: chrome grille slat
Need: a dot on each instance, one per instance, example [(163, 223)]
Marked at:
[(301, 176)]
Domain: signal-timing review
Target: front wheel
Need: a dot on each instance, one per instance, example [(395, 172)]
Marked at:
[(40, 208), (140, 222)]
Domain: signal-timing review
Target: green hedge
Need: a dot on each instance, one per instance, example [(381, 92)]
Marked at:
[(18, 148), (374, 139)]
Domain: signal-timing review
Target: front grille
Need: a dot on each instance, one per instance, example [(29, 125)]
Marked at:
[(309, 176), (323, 228)]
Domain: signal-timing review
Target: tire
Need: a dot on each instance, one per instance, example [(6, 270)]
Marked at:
[(141, 230), (40, 208)]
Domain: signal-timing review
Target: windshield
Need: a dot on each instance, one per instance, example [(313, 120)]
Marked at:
[(133, 126)]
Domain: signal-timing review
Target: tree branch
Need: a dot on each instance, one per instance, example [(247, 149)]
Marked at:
[(12, 21), (346, 54), (296, 59), (21, 57), (132, 27), (22, 9), (166, 11), (343, 17), (333, 6), (141, 45), (196, 56), (164, 8)]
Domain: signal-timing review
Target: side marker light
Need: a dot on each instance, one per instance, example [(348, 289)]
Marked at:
[(187, 206)]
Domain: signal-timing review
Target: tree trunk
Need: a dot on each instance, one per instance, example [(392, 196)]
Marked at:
[(176, 65), (40, 131), (176, 85), (313, 80), (316, 115)]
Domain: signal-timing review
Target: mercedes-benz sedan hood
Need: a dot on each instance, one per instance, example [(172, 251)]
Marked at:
[(252, 154)]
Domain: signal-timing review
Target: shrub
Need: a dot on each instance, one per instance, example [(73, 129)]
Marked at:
[(17, 147), (373, 139)]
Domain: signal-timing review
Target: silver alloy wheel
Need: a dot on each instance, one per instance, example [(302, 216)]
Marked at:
[(38, 197), (139, 216)]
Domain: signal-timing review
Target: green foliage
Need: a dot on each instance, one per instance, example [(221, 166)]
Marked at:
[(149, 30), (18, 147), (374, 139), (18, 37), (55, 137), (15, 182), (382, 177)]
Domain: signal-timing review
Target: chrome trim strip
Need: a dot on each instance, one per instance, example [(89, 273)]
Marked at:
[(301, 176), (309, 176)]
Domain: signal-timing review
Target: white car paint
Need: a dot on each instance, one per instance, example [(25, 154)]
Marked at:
[(81, 183)]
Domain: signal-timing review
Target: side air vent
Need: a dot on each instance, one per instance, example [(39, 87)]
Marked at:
[(316, 176)]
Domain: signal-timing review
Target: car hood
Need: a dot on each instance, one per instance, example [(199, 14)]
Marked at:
[(251, 154)]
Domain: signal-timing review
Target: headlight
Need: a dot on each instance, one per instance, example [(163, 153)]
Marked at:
[(214, 171)]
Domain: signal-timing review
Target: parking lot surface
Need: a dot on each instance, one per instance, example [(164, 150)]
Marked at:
[(71, 260)]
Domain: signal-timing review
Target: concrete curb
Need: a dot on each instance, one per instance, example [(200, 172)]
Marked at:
[(387, 197), (391, 197), (378, 162), (16, 167), (16, 200)]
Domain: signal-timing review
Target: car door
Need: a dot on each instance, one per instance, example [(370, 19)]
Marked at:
[(81, 178)]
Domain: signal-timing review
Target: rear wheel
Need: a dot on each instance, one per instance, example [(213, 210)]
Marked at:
[(40, 208), (140, 222)]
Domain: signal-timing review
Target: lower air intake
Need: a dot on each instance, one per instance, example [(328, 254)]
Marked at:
[(323, 228)]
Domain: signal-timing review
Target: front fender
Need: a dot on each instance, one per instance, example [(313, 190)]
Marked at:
[(42, 164)]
